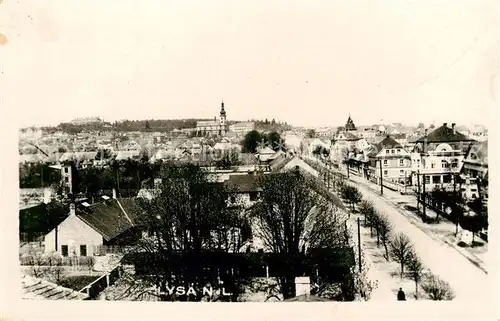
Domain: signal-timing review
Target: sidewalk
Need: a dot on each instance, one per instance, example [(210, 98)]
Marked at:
[(444, 231), (448, 262), (384, 273)]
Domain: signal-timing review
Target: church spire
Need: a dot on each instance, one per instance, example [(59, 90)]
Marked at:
[(222, 111), (350, 124)]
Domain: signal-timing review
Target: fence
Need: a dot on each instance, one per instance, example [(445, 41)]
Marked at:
[(96, 287), (57, 261), (111, 249)]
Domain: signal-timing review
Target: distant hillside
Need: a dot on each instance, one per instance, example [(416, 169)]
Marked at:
[(271, 125), (155, 125)]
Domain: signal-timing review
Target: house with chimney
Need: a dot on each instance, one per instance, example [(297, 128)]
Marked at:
[(112, 221), (438, 157), (395, 162)]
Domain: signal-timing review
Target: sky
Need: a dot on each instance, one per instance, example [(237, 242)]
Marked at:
[(309, 63)]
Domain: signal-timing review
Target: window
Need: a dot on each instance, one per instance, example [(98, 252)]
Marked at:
[(64, 250), (387, 151), (401, 172), (385, 173), (446, 179), (385, 162), (401, 162), (254, 196), (392, 151), (432, 165), (83, 250), (66, 179), (444, 163), (436, 179), (399, 150), (66, 170), (427, 179)]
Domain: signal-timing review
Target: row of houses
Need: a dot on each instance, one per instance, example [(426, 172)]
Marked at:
[(439, 159), (116, 220)]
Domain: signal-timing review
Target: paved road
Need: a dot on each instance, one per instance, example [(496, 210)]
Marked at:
[(469, 282)]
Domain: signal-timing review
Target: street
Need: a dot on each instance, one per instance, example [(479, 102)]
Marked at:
[(469, 282)]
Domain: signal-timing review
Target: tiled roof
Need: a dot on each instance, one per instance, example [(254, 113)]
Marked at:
[(243, 183), (388, 142), (78, 156), (111, 218), (32, 158), (126, 154), (265, 151), (35, 288), (444, 134), (478, 154)]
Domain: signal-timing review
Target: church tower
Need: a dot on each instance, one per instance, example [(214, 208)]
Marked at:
[(223, 124), (349, 126)]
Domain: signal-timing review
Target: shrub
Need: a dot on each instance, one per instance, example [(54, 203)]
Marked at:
[(437, 289)]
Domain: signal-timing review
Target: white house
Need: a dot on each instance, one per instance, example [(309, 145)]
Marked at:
[(441, 157), (90, 226)]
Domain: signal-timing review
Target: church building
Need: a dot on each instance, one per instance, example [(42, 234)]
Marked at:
[(213, 127)]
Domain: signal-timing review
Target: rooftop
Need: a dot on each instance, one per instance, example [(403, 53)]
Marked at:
[(444, 134)]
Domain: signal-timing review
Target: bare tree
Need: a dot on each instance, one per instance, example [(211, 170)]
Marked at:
[(416, 269), (189, 216), (437, 289), (385, 229), (38, 266), (401, 250), (295, 210)]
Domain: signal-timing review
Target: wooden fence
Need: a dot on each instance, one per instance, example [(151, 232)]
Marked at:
[(57, 261), (96, 287)]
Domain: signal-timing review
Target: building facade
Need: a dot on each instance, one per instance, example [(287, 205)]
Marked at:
[(441, 155), (242, 128), (396, 162), (213, 127)]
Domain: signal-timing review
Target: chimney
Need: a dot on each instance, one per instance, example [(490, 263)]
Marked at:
[(445, 124), (72, 209), (114, 193), (453, 128), (302, 285)]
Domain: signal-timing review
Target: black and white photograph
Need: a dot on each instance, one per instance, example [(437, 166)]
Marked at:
[(273, 152)]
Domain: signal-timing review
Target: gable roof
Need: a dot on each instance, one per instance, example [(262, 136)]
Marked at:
[(78, 156), (243, 183), (388, 142), (444, 134), (111, 218), (36, 289), (478, 154)]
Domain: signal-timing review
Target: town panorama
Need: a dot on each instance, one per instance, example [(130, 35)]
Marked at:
[(257, 210)]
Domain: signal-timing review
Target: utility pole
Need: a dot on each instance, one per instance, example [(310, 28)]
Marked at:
[(423, 195), (405, 182), (359, 245), (418, 190), (347, 163), (381, 178)]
